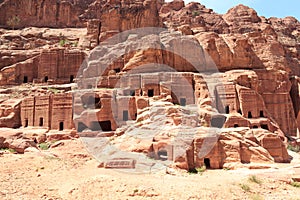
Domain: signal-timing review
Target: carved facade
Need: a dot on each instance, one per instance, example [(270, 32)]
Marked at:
[(54, 66), (51, 111)]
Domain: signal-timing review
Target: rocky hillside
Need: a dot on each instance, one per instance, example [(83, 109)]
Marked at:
[(44, 42)]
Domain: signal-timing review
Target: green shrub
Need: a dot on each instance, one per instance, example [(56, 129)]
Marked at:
[(245, 187), (198, 170), (44, 146), (254, 179), (256, 197), (201, 169), (63, 42), (295, 184), (195, 13), (292, 148), (8, 149)]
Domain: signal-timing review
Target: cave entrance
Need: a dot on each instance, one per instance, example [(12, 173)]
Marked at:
[(132, 93), (46, 79), (261, 113), (207, 163), (125, 115), (162, 155), (227, 109), (71, 78), (26, 123), (249, 115), (61, 126), (255, 127), (182, 101), (236, 125), (25, 79), (240, 111), (217, 121), (150, 93), (101, 125), (81, 126), (41, 122), (265, 126), (117, 70)]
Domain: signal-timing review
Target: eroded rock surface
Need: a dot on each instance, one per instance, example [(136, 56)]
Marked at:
[(253, 94)]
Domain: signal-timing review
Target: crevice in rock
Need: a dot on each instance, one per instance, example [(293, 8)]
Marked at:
[(294, 93)]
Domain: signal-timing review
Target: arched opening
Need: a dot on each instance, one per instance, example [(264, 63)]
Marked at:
[(41, 122), (207, 163), (26, 123), (25, 79), (150, 93), (182, 101), (162, 155), (236, 125), (255, 127), (249, 115), (125, 115), (227, 109), (81, 127), (265, 126), (71, 79), (61, 126), (261, 113), (46, 79)]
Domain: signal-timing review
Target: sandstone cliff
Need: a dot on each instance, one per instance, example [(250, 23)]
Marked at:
[(256, 61)]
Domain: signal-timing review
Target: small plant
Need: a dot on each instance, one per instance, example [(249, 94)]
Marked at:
[(63, 42), (245, 187), (254, 179), (13, 22), (201, 169), (294, 148), (295, 184), (8, 149), (195, 13), (44, 146), (256, 197), (75, 44), (53, 90), (198, 170)]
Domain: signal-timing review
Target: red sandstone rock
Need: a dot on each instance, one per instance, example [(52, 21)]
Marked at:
[(40, 13), (258, 58)]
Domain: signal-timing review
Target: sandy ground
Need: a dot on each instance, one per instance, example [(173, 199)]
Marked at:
[(69, 172)]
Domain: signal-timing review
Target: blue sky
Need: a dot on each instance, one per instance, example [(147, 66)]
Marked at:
[(267, 8)]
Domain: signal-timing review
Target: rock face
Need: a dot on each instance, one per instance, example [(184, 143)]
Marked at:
[(43, 13), (148, 99), (54, 65), (117, 16), (137, 83), (10, 113)]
